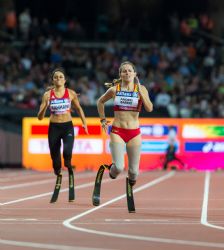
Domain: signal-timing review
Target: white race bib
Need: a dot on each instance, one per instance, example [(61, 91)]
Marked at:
[(126, 101)]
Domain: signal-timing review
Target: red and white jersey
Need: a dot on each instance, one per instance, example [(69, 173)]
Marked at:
[(127, 100), (59, 105)]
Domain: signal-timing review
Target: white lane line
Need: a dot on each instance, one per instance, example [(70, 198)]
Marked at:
[(110, 221), (166, 221), (67, 223), (137, 220), (40, 182), (115, 208), (97, 224), (25, 176), (49, 193), (27, 184), (18, 219), (44, 246), (204, 211)]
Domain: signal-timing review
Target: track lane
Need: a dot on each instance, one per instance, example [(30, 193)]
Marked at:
[(174, 208)]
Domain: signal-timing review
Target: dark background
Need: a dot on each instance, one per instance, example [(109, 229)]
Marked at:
[(87, 12)]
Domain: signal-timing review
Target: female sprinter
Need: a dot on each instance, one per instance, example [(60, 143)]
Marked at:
[(60, 99), (128, 96)]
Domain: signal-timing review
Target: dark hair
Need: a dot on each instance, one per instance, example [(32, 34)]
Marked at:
[(57, 70), (52, 75)]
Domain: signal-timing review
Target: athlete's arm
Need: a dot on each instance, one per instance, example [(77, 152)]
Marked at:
[(100, 106), (145, 99), (104, 98), (143, 92), (78, 108), (43, 106)]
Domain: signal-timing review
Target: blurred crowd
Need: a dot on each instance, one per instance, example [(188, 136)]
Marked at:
[(186, 78)]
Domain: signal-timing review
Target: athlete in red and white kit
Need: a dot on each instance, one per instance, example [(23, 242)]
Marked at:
[(128, 95)]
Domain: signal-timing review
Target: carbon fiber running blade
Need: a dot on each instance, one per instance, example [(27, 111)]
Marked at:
[(97, 187), (71, 190), (56, 189), (130, 197)]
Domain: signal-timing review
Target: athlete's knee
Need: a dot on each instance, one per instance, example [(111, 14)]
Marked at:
[(67, 155), (132, 182), (132, 178), (111, 176), (68, 165), (115, 170), (133, 174), (67, 162), (57, 171), (57, 166), (118, 168)]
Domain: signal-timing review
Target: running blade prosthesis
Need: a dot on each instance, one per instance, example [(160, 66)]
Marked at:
[(97, 187), (71, 190), (56, 189), (130, 197)]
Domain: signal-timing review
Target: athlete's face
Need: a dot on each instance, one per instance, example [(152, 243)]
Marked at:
[(127, 73), (59, 79)]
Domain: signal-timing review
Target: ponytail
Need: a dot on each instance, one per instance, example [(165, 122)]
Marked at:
[(114, 83)]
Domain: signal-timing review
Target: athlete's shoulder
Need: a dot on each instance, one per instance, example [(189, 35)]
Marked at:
[(112, 89), (47, 93), (71, 91), (142, 87)]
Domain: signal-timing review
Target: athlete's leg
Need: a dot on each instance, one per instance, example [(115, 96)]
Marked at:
[(68, 142), (134, 152), (179, 160), (54, 140), (117, 148)]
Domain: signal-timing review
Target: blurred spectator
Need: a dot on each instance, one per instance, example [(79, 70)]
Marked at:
[(192, 23), (206, 22), (185, 78), (75, 30), (174, 27), (162, 99), (11, 22), (25, 23), (102, 27), (35, 30)]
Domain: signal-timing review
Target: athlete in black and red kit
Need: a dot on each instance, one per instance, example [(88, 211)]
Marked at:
[(60, 99)]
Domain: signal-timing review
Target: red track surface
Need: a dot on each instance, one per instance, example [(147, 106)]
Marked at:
[(174, 210)]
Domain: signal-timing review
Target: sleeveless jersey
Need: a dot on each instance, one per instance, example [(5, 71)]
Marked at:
[(127, 100), (59, 105)]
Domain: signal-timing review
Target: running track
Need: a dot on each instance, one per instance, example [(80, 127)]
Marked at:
[(174, 210)]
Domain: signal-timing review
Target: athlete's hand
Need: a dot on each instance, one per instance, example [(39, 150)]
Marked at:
[(104, 124), (86, 129), (139, 85)]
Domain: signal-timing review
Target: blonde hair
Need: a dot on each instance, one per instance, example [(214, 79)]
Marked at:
[(117, 81), (125, 63), (113, 83)]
